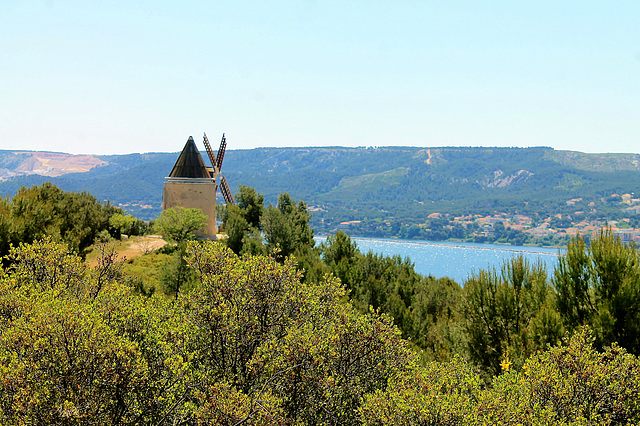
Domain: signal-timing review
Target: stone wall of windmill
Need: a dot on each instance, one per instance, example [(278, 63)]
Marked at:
[(190, 185)]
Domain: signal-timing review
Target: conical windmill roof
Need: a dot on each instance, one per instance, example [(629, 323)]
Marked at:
[(189, 163)]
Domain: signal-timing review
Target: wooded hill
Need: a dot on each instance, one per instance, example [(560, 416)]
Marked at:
[(394, 184)]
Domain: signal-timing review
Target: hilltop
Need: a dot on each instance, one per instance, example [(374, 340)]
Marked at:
[(372, 190), (52, 164)]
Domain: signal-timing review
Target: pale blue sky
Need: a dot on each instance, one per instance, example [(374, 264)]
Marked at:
[(105, 77)]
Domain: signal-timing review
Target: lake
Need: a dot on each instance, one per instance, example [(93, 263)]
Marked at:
[(454, 260)]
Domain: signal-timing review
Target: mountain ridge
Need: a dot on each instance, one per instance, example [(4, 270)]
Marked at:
[(344, 183)]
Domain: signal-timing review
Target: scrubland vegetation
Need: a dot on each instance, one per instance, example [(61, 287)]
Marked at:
[(77, 219), (264, 328)]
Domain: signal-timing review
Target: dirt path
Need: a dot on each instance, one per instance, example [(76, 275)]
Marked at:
[(131, 248)]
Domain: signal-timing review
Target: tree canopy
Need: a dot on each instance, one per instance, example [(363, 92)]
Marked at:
[(252, 228), (73, 218), (179, 224)]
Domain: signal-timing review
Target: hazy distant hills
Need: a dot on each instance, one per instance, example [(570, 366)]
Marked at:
[(404, 183), (134, 180)]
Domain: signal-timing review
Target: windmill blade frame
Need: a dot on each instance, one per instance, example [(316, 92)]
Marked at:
[(221, 150), (212, 156), (216, 163), (226, 192)]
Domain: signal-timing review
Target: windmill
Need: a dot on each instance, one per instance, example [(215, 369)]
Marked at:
[(191, 184), (216, 163)]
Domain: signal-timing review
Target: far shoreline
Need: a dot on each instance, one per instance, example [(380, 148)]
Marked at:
[(456, 243)]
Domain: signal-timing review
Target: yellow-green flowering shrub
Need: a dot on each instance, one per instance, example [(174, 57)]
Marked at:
[(568, 384)]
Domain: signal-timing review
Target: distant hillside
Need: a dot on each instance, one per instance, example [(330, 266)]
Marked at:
[(133, 181), (52, 164), (384, 183)]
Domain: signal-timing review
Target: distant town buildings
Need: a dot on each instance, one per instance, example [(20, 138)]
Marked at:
[(556, 224)]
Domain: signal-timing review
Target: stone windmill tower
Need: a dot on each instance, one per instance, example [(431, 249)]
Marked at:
[(191, 184)]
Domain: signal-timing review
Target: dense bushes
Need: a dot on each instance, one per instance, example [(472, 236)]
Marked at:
[(511, 311), (250, 336), (600, 286), (426, 309), (253, 344), (516, 310), (568, 384), (73, 218), (258, 340)]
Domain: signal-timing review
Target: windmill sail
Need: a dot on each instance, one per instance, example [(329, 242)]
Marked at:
[(216, 162), (223, 147), (226, 192), (212, 156)]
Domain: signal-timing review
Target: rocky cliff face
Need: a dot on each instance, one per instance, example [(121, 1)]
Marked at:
[(500, 180)]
